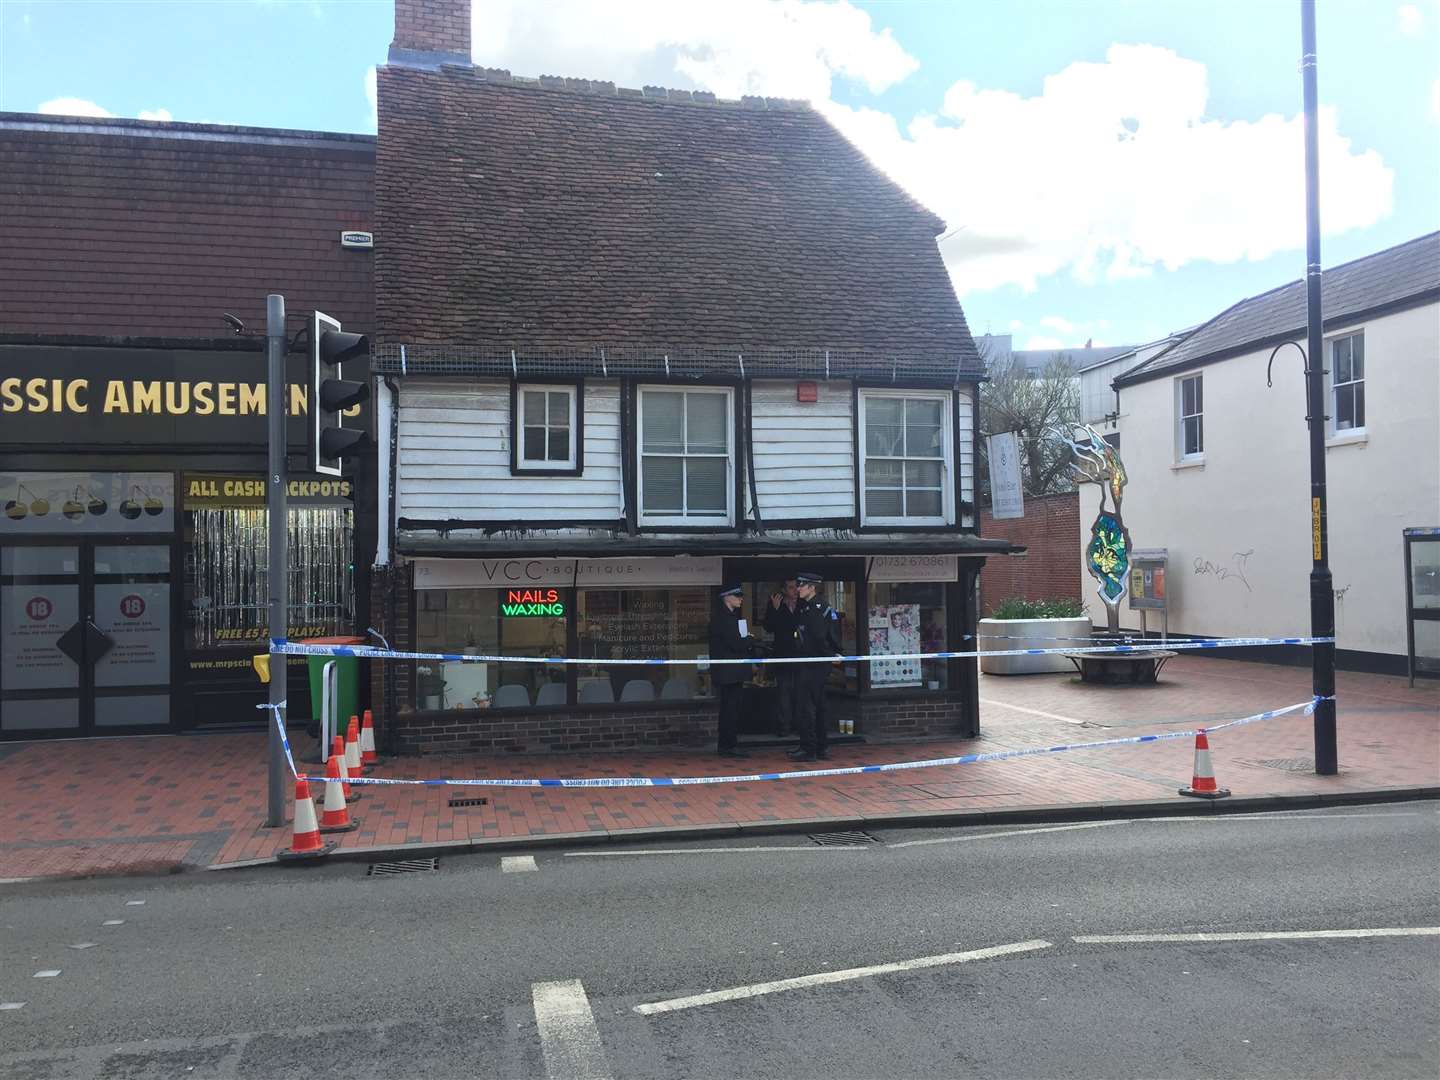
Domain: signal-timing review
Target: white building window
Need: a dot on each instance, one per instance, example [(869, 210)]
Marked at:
[(1347, 383), (906, 458), (1190, 414), (546, 428), (687, 474)]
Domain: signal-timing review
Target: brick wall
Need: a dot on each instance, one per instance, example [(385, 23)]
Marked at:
[(1050, 568), (921, 717), (636, 727), (432, 26)]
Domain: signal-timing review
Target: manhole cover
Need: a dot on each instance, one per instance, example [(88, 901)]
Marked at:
[(1287, 764), (844, 839), (469, 802), (405, 866)]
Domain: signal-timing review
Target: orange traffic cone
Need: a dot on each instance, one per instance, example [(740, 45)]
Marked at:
[(352, 747), (1202, 785), (306, 842), (368, 756), (337, 754), (335, 817)]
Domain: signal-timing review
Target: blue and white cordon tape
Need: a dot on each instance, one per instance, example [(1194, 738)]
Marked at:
[(853, 770), (282, 647)]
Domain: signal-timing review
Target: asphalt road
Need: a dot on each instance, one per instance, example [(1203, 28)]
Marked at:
[(936, 953)]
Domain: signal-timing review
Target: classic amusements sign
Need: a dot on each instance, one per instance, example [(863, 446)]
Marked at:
[(153, 397)]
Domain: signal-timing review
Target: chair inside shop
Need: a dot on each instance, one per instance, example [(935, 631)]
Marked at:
[(552, 693), (510, 696), (597, 692), (677, 689), (638, 690)]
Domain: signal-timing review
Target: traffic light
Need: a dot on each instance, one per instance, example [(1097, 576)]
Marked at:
[(334, 436)]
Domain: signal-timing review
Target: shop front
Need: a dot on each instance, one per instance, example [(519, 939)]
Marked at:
[(133, 576), (601, 611)]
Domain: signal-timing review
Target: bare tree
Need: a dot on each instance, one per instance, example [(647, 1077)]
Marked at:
[(1033, 405)]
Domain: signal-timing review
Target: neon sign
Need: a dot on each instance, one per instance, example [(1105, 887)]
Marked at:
[(532, 602)]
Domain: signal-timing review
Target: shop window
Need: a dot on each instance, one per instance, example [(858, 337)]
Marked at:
[(906, 458), (227, 583), (545, 428), (907, 618), (527, 621), (638, 624), (686, 471), (64, 503)]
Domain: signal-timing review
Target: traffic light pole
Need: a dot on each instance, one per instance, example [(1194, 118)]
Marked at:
[(277, 520), (1322, 595)]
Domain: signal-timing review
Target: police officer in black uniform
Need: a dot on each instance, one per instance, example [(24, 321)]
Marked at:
[(728, 643), (817, 634)]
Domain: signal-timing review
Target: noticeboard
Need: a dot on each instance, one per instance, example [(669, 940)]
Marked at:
[(1147, 579)]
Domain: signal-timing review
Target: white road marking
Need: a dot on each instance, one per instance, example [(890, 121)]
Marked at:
[(517, 864), (113, 922), (46, 974), (1012, 832), (134, 903), (569, 1038), (1276, 815), (1258, 935), (825, 978), (6, 1006), (1032, 712), (84, 945), (709, 850)]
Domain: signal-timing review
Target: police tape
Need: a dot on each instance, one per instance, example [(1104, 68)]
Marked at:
[(282, 647), (810, 774)]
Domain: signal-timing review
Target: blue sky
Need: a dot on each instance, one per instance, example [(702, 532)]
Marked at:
[(1109, 169)]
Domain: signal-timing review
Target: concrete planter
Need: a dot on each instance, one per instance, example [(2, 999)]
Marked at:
[(1029, 634)]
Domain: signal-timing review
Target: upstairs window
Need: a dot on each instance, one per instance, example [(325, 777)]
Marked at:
[(906, 458), (1347, 383), (545, 428), (687, 473), (1190, 413)]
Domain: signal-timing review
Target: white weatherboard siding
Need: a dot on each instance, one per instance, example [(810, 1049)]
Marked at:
[(453, 459), (965, 452), (804, 453), (1238, 526)]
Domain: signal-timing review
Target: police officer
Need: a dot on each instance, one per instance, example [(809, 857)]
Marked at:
[(727, 642), (817, 634)]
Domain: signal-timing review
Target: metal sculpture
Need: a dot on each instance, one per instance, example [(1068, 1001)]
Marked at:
[(1107, 556)]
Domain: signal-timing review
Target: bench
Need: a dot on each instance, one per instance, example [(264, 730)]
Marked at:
[(1120, 669)]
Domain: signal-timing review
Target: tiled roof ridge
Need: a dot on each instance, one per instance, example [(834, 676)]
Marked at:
[(120, 126), (604, 88)]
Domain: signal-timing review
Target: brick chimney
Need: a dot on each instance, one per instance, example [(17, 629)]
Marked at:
[(429, 33)]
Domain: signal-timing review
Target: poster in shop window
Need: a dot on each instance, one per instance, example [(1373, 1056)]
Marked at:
[(894, 631)]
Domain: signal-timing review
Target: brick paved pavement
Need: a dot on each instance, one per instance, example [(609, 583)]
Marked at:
[(168, 803)]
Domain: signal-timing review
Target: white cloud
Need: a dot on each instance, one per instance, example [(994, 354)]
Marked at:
[(789, 48), (156, 114), (1040, 341), (372, 96), (1055, 322), (1411, 20), (1112, 171), (70, 106), (1435, 99)]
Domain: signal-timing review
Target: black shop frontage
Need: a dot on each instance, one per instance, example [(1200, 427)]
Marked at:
[(133, 532)]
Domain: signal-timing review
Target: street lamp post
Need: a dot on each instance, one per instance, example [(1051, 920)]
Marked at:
[(1322, 596)]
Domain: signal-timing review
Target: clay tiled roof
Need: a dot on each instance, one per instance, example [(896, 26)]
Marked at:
[(559, 214), (128, 228)]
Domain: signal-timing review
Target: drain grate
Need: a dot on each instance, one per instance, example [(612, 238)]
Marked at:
[(844, 839), (1287, 764), (405, 866), (468, 802)]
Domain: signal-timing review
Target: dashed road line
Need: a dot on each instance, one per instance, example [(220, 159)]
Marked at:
[(1257, 935), (134, 903), (9, 1006), (517, 864), (826, 978), (49, 973), (710, 850), (569, 1039), (1012, 832), (83, 945), (113, 922)]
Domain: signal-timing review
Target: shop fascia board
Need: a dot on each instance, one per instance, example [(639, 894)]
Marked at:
[(459, 545)]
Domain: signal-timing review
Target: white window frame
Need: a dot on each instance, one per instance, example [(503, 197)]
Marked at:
[(1333, 388), (947, 458), (686, 519), (524, 464), (1181, 416)]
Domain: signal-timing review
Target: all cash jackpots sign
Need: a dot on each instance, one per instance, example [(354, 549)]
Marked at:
[(145, 397)]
